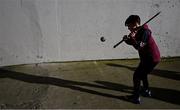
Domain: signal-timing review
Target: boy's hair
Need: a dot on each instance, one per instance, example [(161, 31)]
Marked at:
[(132, 19)]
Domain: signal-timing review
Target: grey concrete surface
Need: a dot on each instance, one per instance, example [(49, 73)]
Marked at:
[(33, 31), (86, 85)]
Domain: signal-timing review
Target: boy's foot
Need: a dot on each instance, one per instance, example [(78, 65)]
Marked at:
[(146, 93), (133, 99)]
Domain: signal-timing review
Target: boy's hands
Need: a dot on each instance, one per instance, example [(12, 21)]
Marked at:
[(125, 37)]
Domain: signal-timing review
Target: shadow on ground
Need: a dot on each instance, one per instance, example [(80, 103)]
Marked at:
[(167, 95), (162, 73), (74, 85)]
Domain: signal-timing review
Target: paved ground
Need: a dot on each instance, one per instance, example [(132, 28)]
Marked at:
[(87, 85)]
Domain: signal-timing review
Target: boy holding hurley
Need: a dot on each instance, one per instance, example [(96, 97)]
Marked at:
[(141, 39)]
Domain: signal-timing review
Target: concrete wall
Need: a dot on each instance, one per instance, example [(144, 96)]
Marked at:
[(33, 31)]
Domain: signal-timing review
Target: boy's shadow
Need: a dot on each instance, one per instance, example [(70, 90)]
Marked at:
[(162, 73), (74, 85), (171, 96), (167, 95)]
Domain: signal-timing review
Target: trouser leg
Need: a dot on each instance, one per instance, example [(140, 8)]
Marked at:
[(137, 82), (145, 82), (141, 73), (148, 67)]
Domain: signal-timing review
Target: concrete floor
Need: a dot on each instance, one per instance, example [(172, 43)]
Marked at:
[(87, 85)]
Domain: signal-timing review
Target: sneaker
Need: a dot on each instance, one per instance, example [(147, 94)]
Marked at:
[(146, 93), (133, 99)]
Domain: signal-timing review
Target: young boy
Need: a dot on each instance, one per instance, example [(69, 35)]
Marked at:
[(141, 39)]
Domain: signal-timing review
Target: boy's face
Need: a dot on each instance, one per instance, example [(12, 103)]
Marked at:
[(133, 26)]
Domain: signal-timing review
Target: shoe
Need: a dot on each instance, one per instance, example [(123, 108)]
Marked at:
[(133, 99), (146, 93)]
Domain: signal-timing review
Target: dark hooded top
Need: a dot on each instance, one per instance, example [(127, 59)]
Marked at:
[(145, 44)]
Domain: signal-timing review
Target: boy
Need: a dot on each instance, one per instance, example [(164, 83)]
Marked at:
[(141, 39)]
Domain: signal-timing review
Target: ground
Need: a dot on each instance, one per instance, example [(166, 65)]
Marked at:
[(87, 85)]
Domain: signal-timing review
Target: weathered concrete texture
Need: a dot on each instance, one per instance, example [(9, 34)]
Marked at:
[(91, 84), (34, 31)]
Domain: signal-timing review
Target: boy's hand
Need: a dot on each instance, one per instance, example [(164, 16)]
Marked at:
[(125, 37), (132, 34)]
